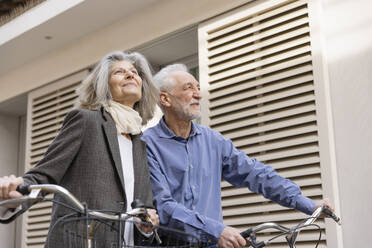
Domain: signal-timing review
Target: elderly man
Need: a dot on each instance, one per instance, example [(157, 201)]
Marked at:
[(187, 162)]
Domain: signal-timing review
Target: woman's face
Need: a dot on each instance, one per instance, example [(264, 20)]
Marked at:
[(125, 83)]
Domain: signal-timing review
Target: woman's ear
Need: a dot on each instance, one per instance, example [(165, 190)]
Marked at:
[(164, 99)]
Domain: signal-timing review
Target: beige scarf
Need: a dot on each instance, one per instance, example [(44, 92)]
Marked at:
[(127, 120)]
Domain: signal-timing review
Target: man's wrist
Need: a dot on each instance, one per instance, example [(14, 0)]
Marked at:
[(305, 204)]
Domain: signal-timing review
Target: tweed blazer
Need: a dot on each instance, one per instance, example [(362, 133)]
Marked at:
[(85, 159)]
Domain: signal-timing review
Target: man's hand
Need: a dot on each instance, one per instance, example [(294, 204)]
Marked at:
[(231, 238), (326, 203), (152, 218), (8, 186)]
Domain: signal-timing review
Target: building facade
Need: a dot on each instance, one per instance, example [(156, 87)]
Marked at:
[(288, 81)]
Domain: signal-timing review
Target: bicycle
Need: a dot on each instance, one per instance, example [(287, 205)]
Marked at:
[(81, 226), (290, 233), (91, 220)]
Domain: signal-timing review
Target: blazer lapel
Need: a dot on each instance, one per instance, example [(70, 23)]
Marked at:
[(139, 166), (112, 139)]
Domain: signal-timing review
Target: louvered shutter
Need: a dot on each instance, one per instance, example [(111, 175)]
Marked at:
[(256, 76), (47, 108)]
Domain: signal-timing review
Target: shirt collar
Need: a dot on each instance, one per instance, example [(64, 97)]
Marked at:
[(166, 132)]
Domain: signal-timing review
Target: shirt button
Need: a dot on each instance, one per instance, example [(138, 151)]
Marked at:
[(193, 187), (191, 166), (193, 207)]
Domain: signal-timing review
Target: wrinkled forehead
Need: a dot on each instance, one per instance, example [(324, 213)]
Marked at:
[(122, 64), (183, 78)]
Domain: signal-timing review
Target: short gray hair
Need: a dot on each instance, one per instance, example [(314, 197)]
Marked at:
[(95, 93), (163, 81)]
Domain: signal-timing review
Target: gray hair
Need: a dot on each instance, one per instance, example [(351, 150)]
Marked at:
[(163, 80), (95, 93)]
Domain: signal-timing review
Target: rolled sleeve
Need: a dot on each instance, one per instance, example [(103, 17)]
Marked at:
[(305, 204)]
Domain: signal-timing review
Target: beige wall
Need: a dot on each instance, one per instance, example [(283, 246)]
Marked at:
[(9, 133), (347, 33), (157, 20)]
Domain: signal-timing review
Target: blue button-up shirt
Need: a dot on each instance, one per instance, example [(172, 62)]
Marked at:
[(186, 179)]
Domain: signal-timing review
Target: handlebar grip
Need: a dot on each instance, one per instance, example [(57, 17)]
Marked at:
[(327, 211), (23, 189), (245, 234)]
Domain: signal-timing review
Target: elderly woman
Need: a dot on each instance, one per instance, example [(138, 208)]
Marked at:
[(98, 155)]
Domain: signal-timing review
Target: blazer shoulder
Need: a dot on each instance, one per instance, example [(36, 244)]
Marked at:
[(85, 113), (84, 116)]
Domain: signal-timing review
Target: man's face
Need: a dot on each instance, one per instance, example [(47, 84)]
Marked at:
[(185, 96)]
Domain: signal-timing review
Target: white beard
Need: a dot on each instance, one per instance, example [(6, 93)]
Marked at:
[(184, 111)]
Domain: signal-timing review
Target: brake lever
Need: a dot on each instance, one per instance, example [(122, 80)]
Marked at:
[(331, 214), (19, 201), (252, 238), (139, 204), (259, 245)]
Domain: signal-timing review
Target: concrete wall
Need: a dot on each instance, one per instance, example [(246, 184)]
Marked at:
[(9, 146), (347, 31)]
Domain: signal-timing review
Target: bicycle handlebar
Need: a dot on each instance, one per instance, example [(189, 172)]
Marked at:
[(34, 192), (331, 214), (261, 227), (292, 232)]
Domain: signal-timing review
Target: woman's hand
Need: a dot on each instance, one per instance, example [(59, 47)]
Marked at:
[(8, 186), (152, 218)]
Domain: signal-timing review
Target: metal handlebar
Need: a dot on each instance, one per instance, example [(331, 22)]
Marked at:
[(33, 194), (291, 232), (36, 190)]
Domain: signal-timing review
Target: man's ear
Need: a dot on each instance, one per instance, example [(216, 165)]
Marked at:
[(164, 99)]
